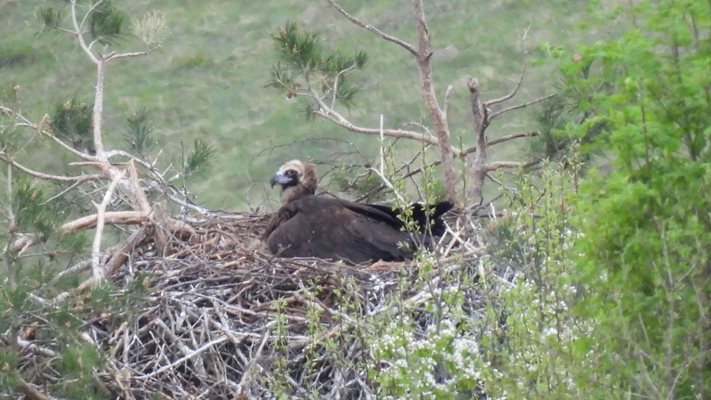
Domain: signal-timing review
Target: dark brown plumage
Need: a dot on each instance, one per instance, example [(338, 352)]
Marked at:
[(325, 227)]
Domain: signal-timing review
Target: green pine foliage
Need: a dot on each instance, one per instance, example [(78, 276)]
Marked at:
[(106, 21), (304, 67), (139, 131), (199, 157), (72, 122)]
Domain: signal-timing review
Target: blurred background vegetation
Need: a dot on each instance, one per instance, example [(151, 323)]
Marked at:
[(207, 81)]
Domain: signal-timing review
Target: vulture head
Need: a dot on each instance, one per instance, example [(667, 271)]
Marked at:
[(296, 178)]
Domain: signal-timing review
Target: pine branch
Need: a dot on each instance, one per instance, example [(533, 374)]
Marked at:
[(78, 30)]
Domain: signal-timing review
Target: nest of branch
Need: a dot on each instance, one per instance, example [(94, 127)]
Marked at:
[(220, 318)]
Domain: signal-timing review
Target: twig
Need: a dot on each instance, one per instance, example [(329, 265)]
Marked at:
[(476, 165), (39, 128), (381, 170), (519, 106), (96, 268), (62, 192), (78, 31), (493, 166), (188, 356), (116, 56), (109, 217), (445, 106), (30, 392), (50, 177), (512, 136), (26, 344), (335, 85), (410, 48), (78, 267), (334, 116), (516, 88)]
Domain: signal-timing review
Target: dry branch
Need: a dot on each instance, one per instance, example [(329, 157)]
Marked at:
[(521, 77), (31, 392), (520, 106), (96, 267), (49, 177), (476, 164), (373, 29), (429, 97), (110, 217), (396, 133)]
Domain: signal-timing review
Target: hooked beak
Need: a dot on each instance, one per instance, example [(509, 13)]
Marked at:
[(279, 179)]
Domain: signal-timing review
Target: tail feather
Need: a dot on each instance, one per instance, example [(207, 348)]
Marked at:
[(427, 217)]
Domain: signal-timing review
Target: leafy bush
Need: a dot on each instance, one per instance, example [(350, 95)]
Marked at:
[(645, 257)]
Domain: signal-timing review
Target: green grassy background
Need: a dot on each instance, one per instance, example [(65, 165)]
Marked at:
[(207, 80)]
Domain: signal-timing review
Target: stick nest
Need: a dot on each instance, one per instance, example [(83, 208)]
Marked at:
[(217, 317)]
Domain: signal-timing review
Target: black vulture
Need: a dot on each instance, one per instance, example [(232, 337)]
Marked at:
[(326, 227)]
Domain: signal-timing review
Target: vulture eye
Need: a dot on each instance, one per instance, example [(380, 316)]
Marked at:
[(290, 172)]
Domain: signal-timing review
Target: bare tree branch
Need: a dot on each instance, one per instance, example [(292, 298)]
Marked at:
[(335, 85), (373, 29), (86, 16), (188, 356), (445, 104), (110, 217), (78, 30), (50, 177), (116, 56), (96, 268), (498, 140), (396, 133), (519, 106), (30, 392), (99, 109), (476, 164), (516, 88), (512, 136), (429, 97), (137, 195), (493, 166)]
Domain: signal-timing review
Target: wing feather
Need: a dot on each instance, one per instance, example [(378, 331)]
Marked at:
[(328, 228)]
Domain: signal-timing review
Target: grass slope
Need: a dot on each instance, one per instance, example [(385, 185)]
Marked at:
[(208, 78)]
